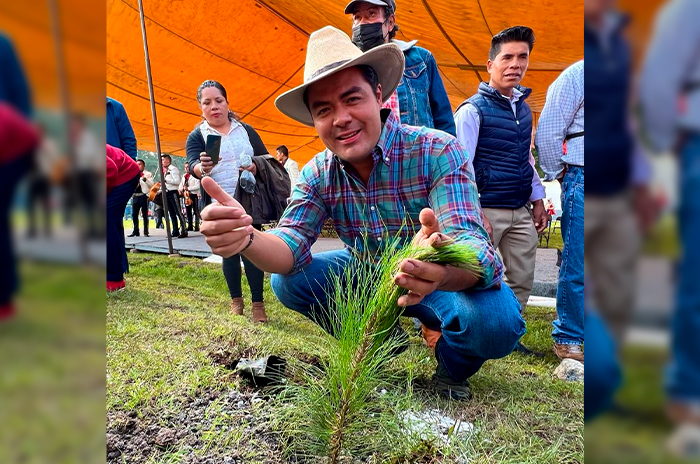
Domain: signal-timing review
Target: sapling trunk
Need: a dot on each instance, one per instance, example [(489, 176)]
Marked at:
[(381, 313)]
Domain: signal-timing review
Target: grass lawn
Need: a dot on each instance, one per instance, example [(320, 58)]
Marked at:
[(635, 431), (170, 338), (555, 239), (52, 375)]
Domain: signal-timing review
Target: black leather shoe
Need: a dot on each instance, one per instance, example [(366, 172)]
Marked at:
[(183, 234), (449, 387), (133, 234), (145, 234)]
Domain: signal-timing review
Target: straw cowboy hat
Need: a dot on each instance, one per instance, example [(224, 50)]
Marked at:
[(330, 50)]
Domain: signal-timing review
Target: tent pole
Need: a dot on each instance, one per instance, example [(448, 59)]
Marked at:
[(163, 189), (73, 186)]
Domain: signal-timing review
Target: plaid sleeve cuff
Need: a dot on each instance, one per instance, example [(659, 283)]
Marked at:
[(492, 269), (301, 249)]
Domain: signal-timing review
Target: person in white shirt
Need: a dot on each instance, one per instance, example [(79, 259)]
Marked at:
[(495, 128), (171, 174), (139, 200), (89, 172), (189, 189), (289, 164)]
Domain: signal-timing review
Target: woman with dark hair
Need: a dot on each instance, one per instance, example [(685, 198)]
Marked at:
[(237, 139)]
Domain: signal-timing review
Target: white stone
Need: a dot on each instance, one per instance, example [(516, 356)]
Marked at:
[(684, 442), (569, 370), (432, 424), (215, 259)]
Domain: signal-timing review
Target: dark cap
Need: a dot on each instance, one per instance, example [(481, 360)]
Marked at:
[(390, 3)]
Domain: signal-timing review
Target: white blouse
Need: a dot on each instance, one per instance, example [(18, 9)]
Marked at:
[(233, 145)]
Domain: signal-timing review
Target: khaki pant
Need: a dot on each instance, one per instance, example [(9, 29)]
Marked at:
[(515, 237), (612, 243)]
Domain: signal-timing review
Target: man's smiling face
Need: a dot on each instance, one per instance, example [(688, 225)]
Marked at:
[(345, 111)]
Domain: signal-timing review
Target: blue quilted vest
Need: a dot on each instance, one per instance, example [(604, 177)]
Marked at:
[(502, 159), (609, 144)]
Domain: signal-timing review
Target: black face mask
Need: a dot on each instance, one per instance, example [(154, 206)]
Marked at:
[(367, 36)]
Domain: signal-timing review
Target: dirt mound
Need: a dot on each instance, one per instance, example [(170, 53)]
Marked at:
[(211, 428)]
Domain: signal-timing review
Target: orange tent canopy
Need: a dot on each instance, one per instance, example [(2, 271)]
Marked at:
[(28, 25), (256, 49)]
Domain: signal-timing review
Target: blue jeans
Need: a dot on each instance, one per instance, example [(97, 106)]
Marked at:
[(475, 325), (603, 375), (116, 253), (569, 325), (15, 172), (683, 376)]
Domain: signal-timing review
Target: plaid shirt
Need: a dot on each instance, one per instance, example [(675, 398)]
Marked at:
[(393, 104), (414, 168)]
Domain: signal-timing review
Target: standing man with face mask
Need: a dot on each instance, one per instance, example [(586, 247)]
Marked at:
[(495, 127), (421, 99)]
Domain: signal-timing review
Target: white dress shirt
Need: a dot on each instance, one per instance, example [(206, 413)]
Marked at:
[(292, 168), (192, 184), (172, 178), (233, 145)]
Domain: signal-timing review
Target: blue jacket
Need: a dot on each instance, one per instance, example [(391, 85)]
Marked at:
[(13, 85), (502, 158), (423, 100), (120, 134), (609, 143)]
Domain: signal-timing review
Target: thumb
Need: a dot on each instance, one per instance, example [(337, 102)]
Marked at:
[(429, 222), (217, 193)]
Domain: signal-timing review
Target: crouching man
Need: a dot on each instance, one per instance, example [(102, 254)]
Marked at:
[(373, 174)]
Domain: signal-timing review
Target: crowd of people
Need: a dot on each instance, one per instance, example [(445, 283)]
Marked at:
[(395, 149), (471, 177), (377, 102)]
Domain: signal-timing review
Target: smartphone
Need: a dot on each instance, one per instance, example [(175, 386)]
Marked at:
[(213, 147)]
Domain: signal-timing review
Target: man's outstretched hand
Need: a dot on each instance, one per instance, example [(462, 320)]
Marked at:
[(225, 224), (419, 278)]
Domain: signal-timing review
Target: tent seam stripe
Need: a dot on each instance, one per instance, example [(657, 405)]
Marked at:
[(189, 98), (194, 114), (478, 2), (447, 36), (200, 47)]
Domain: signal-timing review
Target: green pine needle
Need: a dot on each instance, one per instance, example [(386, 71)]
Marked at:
[(332, 411)]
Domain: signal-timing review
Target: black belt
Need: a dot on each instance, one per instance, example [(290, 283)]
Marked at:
[(573, 136)]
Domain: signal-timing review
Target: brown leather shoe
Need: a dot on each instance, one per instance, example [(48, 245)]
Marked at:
[(683, 413), (569, 351), (237, 306), (259, 312), (430, 336)]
